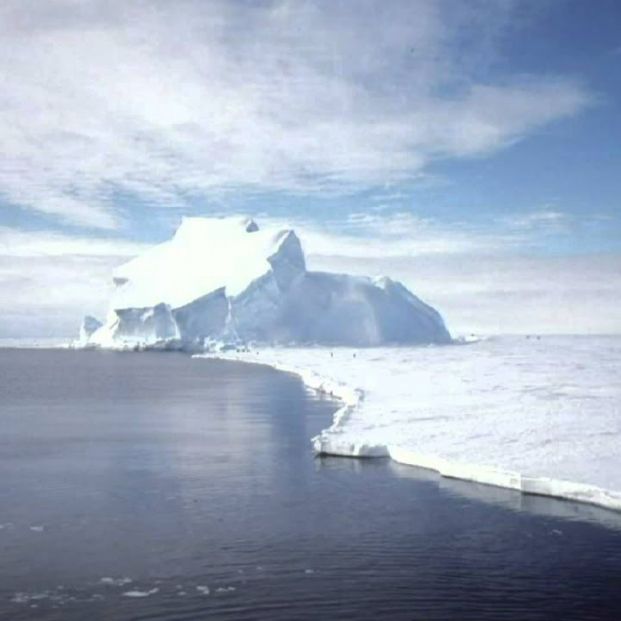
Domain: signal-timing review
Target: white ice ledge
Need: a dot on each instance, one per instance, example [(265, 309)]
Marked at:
[(541, 417)]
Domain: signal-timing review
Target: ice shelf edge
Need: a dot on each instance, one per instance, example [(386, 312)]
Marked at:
[(329, 443)]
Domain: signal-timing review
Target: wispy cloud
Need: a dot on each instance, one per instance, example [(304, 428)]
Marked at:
[(380, 234), (18, 243), (162, 100), (50, 280), (368, 235), (546, 219)]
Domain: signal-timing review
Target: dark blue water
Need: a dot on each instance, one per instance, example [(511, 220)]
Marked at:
[(153, 486)]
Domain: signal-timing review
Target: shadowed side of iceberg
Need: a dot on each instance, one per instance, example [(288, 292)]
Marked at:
[(149, 326), (202, 318), (339, 309)]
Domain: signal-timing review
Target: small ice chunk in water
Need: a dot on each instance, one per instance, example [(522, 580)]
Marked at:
[(115, 581), (137, 593), (203, 590), (37, 529), (25, 598), (20, 598)]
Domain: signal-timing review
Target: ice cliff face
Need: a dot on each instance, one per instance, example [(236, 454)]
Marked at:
[(226, 280)]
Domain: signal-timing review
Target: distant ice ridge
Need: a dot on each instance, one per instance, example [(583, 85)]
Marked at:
[(224, 280), (538, 416)]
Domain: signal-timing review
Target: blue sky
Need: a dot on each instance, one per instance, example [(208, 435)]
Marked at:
[(416, 136)]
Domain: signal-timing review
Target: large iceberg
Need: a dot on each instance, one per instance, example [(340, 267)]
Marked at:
[(226, 280)]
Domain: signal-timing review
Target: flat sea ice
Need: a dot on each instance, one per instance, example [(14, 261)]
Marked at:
[(540, 415)]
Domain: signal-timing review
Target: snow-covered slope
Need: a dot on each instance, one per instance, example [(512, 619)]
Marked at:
[(227, 280)]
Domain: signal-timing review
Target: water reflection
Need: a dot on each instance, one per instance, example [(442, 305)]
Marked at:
[(191, 485), (511, 499)]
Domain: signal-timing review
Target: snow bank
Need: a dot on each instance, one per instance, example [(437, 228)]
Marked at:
[(227, 280), (538, 416)]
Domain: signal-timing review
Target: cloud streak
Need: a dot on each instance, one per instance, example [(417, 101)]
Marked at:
[(19, 243), (51, 280), (376, 234), (161, 101)]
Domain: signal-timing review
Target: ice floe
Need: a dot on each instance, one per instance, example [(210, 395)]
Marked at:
[(115, 581), (138, 593), (540, 416)]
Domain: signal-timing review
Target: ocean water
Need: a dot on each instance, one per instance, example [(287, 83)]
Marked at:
[(154, 486)]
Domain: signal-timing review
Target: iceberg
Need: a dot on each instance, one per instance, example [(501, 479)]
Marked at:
[(227, 280)]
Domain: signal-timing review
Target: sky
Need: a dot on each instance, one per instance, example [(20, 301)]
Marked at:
[(470, 149)]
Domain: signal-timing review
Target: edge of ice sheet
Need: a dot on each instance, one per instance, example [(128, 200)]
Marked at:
[(331, 442), (540, 486)]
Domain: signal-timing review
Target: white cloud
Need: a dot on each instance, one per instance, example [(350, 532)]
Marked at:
[(377, 235), (547, 218), (20, 243), (411, 237), (48, 298), (51, 280), (162, 99)]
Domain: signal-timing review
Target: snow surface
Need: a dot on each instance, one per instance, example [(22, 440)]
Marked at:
[(203, 256), (227, 280), (536, 415)]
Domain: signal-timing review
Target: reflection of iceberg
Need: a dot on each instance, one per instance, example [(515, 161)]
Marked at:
[(227, 280), (537, 417)]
